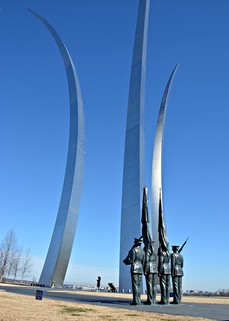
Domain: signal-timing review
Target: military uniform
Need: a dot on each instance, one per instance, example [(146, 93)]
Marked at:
[(164, 272), (177, 273), (150, 271), (136, 258)]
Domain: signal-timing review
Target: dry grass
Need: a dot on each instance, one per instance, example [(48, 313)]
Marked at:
[(20, 307)]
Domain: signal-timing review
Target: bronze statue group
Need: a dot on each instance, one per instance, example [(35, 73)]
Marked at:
[(162, 264)]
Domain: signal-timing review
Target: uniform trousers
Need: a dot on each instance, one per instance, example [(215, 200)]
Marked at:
[(177, 288), (165, 288), (136, 287), (151, 287)]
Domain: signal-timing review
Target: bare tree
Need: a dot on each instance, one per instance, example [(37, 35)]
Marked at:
[(14, 260), (1, 257), (7, 247), (26, 265), (16, 264), (10, 264)]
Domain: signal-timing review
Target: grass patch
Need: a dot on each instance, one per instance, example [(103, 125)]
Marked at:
[(74, 311), (131, 315)]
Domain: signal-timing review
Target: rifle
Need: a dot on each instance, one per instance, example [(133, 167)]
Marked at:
[(183, 245)]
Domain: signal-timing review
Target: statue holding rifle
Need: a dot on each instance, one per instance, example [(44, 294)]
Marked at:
[(177, 263)]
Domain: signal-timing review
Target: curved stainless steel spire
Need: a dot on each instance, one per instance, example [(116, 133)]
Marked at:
[(134, 158), (157, 160), (59, 252)]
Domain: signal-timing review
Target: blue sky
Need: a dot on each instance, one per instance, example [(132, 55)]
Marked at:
[(34, 127)]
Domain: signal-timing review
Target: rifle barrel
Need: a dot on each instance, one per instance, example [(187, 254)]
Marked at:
[(181, 248)]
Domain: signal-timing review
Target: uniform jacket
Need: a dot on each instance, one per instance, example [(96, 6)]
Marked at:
[(150, 265), (136, 257), (177, 264), (164, 263)]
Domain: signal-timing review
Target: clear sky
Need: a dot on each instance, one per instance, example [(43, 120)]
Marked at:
[(99, 35)]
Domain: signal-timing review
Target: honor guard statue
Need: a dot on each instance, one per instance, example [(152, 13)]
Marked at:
[(150, 271), (177, 274), (164, 272), (135, 258)]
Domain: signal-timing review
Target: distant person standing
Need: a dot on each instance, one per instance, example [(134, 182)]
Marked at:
[(164, 273), (52, 285), (150, 271), (135, 258), (177, 263), (98, 282)]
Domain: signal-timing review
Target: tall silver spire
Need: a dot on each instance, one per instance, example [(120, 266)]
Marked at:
[(134, 158), (59, 252), (157, 160)]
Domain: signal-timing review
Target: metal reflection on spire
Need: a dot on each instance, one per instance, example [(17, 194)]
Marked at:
[(59, 252), (134, 158), (157, 160)]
